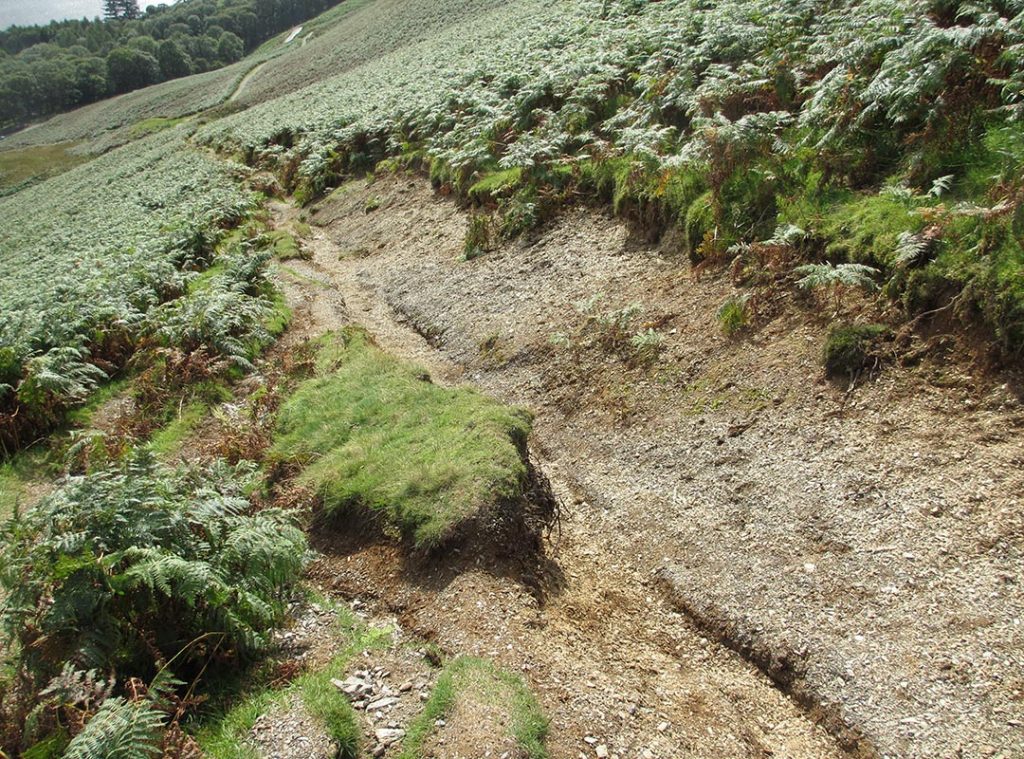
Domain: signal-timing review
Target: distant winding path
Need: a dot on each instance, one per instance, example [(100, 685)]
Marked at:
[(244, 81)]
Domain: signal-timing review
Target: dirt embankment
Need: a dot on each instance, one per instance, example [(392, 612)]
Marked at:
[(863, 549)]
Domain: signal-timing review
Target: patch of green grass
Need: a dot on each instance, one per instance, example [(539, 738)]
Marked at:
[(651, 194), (477, 679), (375, 434), (166, 442), (856, 228), (82, 415), (280, 315), (985, 259), (285, 246), (223, 737), (300, 277), (153, 125), (496, 184), (323, 700), (20, 167), (203, 280)]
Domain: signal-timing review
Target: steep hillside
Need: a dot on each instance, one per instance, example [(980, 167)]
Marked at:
[(643, 378)]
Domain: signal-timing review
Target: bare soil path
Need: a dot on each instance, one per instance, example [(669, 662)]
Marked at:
[(244, 81)]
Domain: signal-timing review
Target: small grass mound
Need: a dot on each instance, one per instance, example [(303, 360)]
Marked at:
[(848, 348), (286, 247), (496, 184), (486, 712), (376, 435)]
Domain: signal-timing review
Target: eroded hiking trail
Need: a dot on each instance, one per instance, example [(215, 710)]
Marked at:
[(612, 663), (861, 549)]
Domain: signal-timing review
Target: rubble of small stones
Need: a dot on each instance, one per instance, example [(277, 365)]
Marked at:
[(310, 636), (291, 732), (386, 701)]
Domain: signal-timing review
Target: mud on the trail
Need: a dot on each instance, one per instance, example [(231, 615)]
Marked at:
[(863, 549)]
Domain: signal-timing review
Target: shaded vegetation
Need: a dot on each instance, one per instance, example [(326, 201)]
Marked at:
[(222, 730), (849, 348), (137, 571)]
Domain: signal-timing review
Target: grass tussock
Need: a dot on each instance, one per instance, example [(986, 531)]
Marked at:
[(375, 434), (474, 686), (850, 348)]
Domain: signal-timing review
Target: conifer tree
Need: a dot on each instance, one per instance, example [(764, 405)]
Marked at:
[(121, 9)]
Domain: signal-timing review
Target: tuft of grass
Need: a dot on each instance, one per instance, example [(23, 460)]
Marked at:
[(327, 704), (733, 314), (471, 678), (496, 184), (848, 348), (375, 434), (167, 442), (280, 315)]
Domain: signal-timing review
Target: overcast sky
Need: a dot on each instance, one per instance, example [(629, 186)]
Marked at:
[(24, 12), (40, 11)]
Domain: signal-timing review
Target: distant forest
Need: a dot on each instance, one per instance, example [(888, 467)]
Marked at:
[(59, 66)]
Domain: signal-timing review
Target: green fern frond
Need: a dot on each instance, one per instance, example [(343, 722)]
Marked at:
[(119, 730), (814, 276)]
